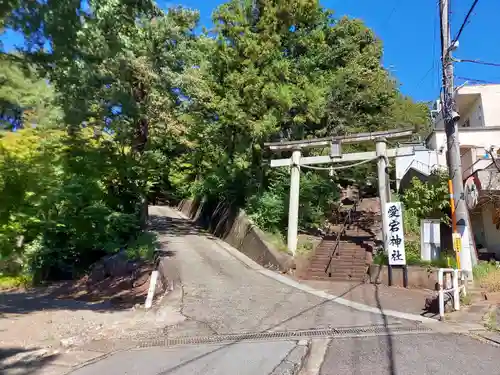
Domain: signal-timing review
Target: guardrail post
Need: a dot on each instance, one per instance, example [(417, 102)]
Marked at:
[(456, 291), (441, 294)]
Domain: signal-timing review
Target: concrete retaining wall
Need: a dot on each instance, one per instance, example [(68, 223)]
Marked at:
[(418, 277), (237, 230)]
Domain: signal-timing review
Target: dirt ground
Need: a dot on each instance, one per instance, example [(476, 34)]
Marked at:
[(73, 313)]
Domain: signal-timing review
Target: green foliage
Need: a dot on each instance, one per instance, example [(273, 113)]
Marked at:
[(13, 282), (269, 210), (65, 200), (25, 99), (150, 108), (278, 240), (425, 200), (305, 247), (143, 246), (488, 275), (483, 269), (413, 257)]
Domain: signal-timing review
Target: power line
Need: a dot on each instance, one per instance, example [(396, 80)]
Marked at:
[(476, 80), (479, 62), (391, 13), (434, 60), (465, 22), (426, 74)]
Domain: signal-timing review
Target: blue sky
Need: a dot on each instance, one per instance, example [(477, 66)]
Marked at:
[(409, 31)]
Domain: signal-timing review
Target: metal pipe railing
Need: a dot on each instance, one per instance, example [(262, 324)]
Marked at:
[(455, 289), (347, 220)]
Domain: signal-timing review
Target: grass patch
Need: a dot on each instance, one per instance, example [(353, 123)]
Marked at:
[(143, 247), (491, 321), (488, 275), (483, 269), (12, 282), (305, 247), (465, 300), (413, 258), (277, 240)]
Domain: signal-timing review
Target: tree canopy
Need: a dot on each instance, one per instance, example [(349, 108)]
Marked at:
[(130, 101)]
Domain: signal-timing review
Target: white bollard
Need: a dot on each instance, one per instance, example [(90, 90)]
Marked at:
[(151, 290), (441, 294), (456, 291)]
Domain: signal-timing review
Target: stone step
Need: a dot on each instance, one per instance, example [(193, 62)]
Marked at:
[(343, 249), (346, 256), (339, 260), (339, 265), (336, 277), (337, 272)]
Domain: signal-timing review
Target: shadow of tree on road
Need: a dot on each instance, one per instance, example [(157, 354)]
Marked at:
[(24, 361), (270, 329)]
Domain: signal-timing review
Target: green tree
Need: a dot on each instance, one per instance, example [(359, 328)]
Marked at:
[(25, 98), (279, 70), (426, 199), (115, 65)]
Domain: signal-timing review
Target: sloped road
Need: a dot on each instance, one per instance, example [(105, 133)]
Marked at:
[(221, 296)]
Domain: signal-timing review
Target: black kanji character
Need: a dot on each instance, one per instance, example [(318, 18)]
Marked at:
[(393, 211), (396, 255), (395, 240), (394, 225)]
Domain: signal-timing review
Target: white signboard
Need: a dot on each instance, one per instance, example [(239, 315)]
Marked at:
[(394, 234)]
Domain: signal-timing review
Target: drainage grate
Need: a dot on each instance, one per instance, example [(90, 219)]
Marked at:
[(309, 333)]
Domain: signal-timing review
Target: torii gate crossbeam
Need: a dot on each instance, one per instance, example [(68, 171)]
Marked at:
[(381, 154)]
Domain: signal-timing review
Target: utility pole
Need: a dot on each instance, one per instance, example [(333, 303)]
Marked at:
[(450, 114)]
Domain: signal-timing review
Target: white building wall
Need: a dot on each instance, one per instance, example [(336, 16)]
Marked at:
[(490, 95), (491, 233), (423, 160), (478, 139), (473, 115)]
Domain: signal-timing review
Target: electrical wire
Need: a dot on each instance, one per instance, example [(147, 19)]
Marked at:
[(465, 22), (434, 60), (426, 74), (434, 45), (476, 80), (479, 62), (391, 13), (341, 167)]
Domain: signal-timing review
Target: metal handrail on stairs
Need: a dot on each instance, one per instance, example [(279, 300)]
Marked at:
[(347, 221)]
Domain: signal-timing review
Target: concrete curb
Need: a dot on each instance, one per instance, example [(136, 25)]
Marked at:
[(319, 293), (294, 360)]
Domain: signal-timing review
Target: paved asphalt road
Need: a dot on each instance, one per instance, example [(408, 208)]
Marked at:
[(220, 295), (240, 358)]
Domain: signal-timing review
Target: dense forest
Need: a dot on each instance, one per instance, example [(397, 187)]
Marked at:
[(108, 103)]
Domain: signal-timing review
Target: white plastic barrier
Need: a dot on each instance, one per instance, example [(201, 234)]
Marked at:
[(455, 289)]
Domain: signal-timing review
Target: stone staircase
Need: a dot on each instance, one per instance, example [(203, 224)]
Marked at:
[(349, 262), (354, 251)]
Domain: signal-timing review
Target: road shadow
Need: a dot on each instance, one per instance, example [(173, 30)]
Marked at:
[(389, 349), (173, 226), (24, 361), (106, 296), (277, 325)]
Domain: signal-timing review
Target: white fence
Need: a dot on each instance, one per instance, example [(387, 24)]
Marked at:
[(456, 288)]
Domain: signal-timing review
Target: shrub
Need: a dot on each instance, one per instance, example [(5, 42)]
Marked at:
[(488, 275), (143, 246)]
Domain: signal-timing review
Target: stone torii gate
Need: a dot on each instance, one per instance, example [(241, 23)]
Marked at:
[(381, 154)]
